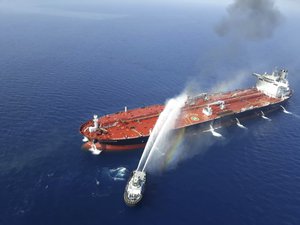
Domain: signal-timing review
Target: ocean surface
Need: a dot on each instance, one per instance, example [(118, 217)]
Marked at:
[(62, 63)]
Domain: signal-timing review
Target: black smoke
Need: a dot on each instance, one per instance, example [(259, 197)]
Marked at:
[(250, 19)]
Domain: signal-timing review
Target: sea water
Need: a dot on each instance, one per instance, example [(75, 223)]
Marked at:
[(62, 63)]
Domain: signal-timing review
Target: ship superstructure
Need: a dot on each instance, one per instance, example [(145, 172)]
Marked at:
[(130, 129), (274, 85)]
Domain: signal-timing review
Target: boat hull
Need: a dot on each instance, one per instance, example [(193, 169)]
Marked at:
[(130, 202)]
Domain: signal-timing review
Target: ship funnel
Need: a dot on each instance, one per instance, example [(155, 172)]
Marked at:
[(283, 74)]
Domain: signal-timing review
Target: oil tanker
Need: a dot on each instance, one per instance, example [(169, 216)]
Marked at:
[(130, 129)]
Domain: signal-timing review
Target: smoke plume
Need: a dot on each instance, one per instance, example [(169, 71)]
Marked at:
[(250, 19)]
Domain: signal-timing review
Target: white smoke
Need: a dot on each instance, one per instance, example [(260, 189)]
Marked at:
[(236, 80)]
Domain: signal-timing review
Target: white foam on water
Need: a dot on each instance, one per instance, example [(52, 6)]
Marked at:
[(94, 150), (85, 139), (118, 174)]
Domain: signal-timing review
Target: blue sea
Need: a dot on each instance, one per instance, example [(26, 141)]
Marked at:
[(63, 62)]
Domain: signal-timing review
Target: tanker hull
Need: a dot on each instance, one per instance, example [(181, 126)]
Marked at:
[(226, 121), (131, 129)]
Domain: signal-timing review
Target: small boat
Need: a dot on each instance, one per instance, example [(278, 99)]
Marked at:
[(135, 188)]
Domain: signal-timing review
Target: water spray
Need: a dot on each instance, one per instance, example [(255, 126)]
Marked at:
[(239, 124), (154, 133), (165, 129), (285, 111), (288, 112), (136, 184), (94, 149), (214, 133), (264, 117), (173, 107)]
